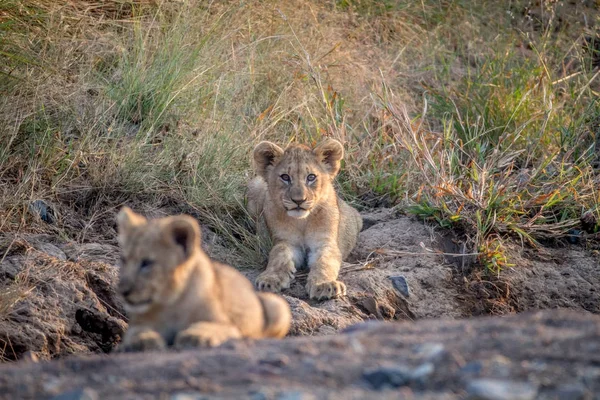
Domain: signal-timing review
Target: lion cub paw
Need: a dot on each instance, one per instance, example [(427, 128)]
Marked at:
[(271, 282), (326, 291), (143, 341), (205, 336)]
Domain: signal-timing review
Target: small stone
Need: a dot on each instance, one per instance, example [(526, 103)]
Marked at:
[(472, 368), (50, 249), (570, 392), (422, 373), (387, 377), (42, 210), (362, 326), (279, 361), (52, 385), (500, 367), (188, 396), (294, 395), (78, 394), (398, 376), (573, 236), (496, 389), (257, 395), (400, 284), (430, 351)]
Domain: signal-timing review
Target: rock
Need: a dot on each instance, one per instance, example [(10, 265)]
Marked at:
[(257, 395), (573, 236), (495, 389), (574, 391), (294, 395), (499, 366), (106, 253), (430, 351), (389, 356), (189, 396), (422, 373), (362, 327), (387, 377), (42, 210), (78, 394), (472, 368), (397, 376), (50, 249), (400, 284)]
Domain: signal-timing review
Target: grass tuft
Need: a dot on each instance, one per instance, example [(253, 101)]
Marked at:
[(480, 117)]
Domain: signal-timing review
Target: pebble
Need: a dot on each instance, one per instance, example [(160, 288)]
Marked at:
[(188, 396), (496, 389), (397, 376), (387, 377), (51, 250), (500, 367), (571, 392), (573, 236), (41, 209), (430, 351), (400, 284), (362, 326), (78, 394), (472, 368), (422, 373), (257, 395), (294, 395)]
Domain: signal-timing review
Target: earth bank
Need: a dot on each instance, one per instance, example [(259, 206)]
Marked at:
[(59, 297)]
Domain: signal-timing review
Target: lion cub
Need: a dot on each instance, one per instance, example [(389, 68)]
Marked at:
[(308, 223), (175, 294)]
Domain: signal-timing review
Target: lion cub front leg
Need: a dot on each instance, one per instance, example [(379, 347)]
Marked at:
[(280, 269), (141, 339), (322, 283), (206, 334)]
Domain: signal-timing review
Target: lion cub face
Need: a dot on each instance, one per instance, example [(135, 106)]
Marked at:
[(155, 258), (299, 178)]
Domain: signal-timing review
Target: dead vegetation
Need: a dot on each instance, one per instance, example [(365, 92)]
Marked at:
[(480, 117)]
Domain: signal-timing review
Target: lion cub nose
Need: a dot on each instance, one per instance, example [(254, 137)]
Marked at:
[(125, 289), (299, 201)]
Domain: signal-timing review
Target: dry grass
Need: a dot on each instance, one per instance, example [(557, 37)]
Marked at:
[(158, 103)]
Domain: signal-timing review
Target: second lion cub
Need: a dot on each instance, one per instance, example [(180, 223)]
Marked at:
[(309, 224), (175, 294)]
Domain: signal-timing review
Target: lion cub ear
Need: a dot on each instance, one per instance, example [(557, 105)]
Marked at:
[(126, 221), (330, 153), (184, 231), (266, 154)]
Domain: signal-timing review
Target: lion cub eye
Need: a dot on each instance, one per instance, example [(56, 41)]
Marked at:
[(146, 264), (311, 177), (285, 178)]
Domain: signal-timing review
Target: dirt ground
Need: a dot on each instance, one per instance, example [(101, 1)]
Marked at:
[(545, 355), (63, 300)]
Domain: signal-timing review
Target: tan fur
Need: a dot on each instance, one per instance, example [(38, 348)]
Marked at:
[(308, 223), (175, 294)]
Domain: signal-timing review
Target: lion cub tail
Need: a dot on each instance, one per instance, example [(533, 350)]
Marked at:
[(278, 316)]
